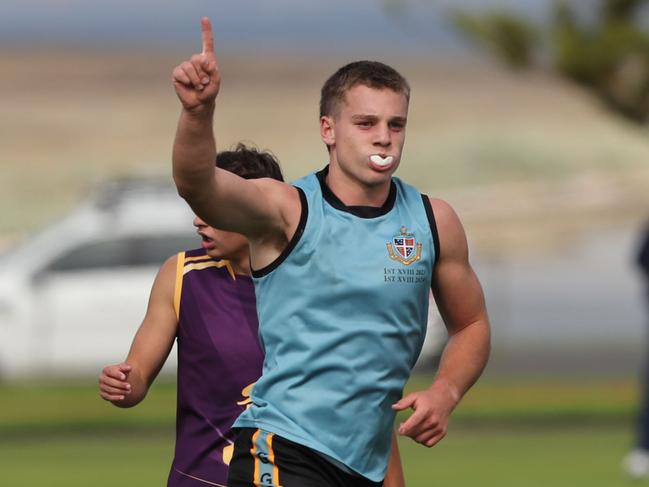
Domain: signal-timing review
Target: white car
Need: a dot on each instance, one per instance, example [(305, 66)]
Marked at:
[(72, 296)]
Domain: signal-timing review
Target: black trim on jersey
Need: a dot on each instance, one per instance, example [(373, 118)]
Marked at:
[(433, 225), (292, 243), (359, 211)]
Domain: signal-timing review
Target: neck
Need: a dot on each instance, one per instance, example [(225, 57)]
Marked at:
[(241, 265), (353, 192)]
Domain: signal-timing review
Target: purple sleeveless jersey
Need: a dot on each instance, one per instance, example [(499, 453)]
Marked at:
[(219, 358)]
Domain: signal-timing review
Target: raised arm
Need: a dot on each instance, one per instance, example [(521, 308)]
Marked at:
[(461, 303), (127, 383), (255, 208)]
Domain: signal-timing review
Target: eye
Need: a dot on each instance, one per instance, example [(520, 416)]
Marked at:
[(397, 126), (364, 124)]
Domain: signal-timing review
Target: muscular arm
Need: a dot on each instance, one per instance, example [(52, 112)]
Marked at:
[(262, 209), (461, 303), (126, 384)]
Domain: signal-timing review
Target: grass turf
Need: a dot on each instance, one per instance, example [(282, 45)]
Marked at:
[(557, 457), (141, 460), (569, 457), (507, 433)]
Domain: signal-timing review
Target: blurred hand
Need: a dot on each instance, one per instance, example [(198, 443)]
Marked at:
[(197, 81), (113, 385), (432, 407)]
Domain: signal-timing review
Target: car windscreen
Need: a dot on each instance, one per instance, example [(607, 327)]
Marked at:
[(139, 251)]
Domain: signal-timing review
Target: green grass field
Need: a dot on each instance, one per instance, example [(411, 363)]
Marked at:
[(507, 433), (532, 458), (553, 456)]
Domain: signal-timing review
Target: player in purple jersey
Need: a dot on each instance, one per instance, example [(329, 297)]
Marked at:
[(204, 299)]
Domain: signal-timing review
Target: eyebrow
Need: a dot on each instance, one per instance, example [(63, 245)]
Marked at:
[(364, 117), (402, 120), (356, 118)]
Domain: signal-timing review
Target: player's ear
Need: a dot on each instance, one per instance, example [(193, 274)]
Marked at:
[(327, 132)]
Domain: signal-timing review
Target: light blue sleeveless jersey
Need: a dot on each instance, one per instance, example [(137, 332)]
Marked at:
[(342, 316)]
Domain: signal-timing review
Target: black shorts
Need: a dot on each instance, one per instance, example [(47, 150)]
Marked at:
[(263, 459)]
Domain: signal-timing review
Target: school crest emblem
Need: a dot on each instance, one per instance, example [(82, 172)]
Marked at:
[(404, 247)]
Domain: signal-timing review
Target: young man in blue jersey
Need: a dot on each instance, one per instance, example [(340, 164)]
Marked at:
[(342, 261)]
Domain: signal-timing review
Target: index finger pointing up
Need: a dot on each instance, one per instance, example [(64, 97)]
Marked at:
[(207, 35)]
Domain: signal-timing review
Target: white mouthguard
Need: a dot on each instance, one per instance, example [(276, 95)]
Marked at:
[(381, 161)]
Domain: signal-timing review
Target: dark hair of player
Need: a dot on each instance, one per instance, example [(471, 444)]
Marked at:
[(249, 163), (372, 74)]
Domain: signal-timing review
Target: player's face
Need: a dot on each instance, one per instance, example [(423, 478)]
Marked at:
[(220, 244), (369, 123)]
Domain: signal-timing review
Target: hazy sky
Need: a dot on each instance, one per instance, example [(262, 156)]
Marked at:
[(338, 25)]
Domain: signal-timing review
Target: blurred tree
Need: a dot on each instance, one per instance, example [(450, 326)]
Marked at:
[(510, 38), (608, 54)]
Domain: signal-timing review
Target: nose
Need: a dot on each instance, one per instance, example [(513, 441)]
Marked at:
[(382, 138), (198, 222)]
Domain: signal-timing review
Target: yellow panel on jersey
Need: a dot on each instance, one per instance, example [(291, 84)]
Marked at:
[(204, 258), (180, 263)]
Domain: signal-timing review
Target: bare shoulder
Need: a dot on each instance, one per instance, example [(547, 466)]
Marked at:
[(165, 281), (168, 268), (452, 238), (446, 218)]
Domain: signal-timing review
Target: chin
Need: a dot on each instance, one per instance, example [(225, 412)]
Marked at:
[(379, 177)]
